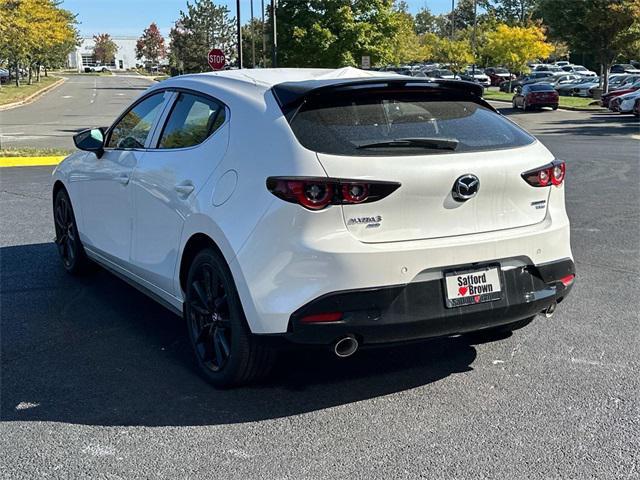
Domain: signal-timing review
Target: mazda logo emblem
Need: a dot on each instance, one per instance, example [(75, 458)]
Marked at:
[(465, 187)]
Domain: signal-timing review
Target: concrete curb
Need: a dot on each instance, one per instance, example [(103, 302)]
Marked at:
[(34, 96), (30, 161), (572, 109)]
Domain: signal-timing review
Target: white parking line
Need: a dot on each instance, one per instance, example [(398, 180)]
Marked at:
[(95, 92)]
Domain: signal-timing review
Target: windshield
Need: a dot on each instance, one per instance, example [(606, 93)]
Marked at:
[(541, 87), (445, 73), (501, 70), (401, 123)]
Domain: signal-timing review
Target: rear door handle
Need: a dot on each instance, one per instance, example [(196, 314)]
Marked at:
[(123, 179), (185, 189)]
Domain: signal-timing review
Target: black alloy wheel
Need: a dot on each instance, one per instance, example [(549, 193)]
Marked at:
[(67, 239), (209, 317), (225, 351)]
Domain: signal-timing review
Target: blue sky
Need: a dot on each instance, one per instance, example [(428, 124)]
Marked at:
[(130, 17)]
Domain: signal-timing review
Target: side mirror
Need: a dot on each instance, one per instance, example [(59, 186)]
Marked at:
[(90, 140)]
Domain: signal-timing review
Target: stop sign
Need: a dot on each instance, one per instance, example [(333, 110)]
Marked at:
[(216, 59)]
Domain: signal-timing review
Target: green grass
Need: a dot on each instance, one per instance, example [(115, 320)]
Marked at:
[(33, 152), (572, 102), (493, 95), (9, 93)]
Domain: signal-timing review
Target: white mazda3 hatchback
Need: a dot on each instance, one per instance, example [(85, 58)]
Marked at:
[(337, 208)]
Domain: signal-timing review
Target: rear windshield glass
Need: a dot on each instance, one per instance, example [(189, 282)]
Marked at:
[(351, 124), (541, 87)]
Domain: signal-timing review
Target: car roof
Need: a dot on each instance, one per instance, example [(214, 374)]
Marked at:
[(254, 82), (290, 83)]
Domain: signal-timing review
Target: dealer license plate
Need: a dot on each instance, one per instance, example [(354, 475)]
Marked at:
[(471, 287)]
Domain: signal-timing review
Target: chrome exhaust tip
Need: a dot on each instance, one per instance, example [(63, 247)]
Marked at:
[(345, 347), (550, 310)]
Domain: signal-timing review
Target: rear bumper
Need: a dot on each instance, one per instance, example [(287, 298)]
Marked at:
[(417, 310), (543, 103)]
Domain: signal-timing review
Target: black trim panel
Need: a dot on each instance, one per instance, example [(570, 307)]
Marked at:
[(417, 310)]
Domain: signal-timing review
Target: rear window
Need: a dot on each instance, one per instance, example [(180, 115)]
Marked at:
[(351, 124), (541, 87)]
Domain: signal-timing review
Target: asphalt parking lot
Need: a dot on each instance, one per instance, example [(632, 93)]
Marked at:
[(97, 380), (82, 101)]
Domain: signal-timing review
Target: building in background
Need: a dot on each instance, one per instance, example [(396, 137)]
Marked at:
[(125, 59)]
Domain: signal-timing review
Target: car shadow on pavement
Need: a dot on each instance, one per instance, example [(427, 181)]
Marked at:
[(94, 351)]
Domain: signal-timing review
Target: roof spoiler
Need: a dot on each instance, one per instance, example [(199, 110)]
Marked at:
[(290, 95)]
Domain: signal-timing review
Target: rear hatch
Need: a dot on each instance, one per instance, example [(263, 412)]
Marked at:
[(425, 140)]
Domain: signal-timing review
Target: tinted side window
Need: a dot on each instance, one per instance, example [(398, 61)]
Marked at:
[(133, 129), (191, 121)]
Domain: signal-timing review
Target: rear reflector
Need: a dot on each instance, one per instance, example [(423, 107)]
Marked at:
[(568, 280), (322, 317)]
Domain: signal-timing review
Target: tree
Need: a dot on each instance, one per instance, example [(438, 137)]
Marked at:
[(334, 33), (514, 12), (464, 12), (601, 26), (407, 45), (104, 48), (150, 46), (515, 47), (57, 36), (33, 32), (560, 51), (203, 26), (252, 34), (425, 21), (455, 53)]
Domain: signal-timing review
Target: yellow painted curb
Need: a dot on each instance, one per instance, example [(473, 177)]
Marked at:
[(29, 161)]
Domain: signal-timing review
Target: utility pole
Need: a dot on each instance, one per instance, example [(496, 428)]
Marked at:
[(253, 40), (274, 49), (473, 39), (239, 34), (264, 39), (453, 17)]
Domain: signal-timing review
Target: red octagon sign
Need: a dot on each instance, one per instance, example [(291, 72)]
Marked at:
[(216, 59)]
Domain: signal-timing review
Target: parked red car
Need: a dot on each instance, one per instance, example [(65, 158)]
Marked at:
[(536, 95), (606, 98), (498, 75)]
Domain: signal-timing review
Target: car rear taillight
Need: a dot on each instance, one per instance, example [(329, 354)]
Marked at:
[(316, 193), (551, 174)]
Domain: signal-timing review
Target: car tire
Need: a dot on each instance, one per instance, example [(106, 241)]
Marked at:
[(70, 248), (513, 103), (497, 333), (225, 351), (554, 107), (524, 106)]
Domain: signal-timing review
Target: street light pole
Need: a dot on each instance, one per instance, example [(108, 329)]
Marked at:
[(239, 25), (274, 50), (264, 39), (453, 17), (253, 39), (473, 45)]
